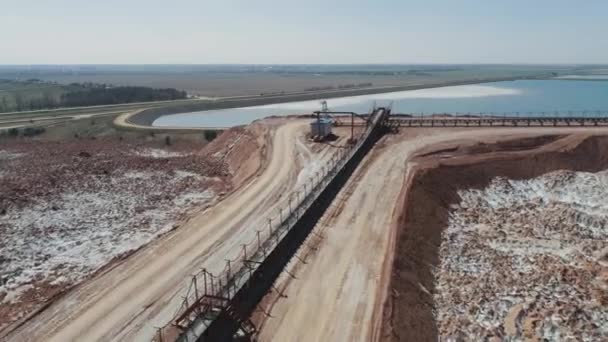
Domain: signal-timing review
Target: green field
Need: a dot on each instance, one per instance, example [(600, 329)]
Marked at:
[(240, 80)]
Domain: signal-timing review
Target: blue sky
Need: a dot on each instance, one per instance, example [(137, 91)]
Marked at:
[(305, 31)]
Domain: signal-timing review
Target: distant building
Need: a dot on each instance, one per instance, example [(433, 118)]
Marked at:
[(321, 127)]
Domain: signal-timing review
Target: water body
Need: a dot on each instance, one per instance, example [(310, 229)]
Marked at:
[(523, 96)]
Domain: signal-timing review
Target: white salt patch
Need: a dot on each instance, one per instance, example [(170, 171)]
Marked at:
[(178, 175), (465, 91), (530, 231), (159, 153), (59, 280), (193, 199), (6, 155), (84, 231), (14, 295), (453, 92), (311, 164), (139, 174), (181, 175), (530, 247)]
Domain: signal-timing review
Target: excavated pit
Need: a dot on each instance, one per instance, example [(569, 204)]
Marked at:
[(421, 289)]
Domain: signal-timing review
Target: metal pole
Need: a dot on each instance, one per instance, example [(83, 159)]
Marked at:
[(259, 240), (205, 280), (244, 252), (319, 123), (212, 285), (352, 127), (269, 231), (297, 208), (195, 287)]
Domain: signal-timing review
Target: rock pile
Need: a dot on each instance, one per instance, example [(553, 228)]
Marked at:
[(526, 260)]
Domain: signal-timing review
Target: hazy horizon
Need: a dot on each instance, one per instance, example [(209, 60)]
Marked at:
[(265, 32), (297, 64)]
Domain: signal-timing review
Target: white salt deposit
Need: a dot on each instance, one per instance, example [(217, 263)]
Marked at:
[(139, 174), (529, 242), (7, 155), (64, 240), (181, 175), (193, 199), (311, 164), (452, 92), (158, 153)]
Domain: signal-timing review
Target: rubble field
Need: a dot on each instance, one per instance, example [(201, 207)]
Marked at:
[(504, 246), (67, 209)]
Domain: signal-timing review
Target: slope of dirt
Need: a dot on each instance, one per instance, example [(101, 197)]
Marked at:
[(408, 314), (242, 150)]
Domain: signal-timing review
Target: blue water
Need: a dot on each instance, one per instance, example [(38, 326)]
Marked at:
[(523, 97)]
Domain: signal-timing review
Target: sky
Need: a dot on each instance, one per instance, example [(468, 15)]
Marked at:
[(303, 31)]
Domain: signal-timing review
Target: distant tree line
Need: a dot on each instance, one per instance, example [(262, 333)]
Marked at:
[(46, 101), (103, 95), (77, 95), (4, 107)]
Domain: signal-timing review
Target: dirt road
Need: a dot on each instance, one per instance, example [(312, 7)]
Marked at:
[(338, 294), (142, 292)]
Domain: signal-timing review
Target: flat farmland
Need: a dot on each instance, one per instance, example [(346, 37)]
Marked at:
[(238, 80)]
